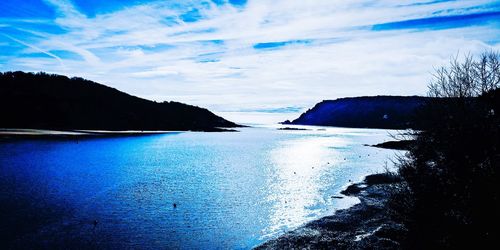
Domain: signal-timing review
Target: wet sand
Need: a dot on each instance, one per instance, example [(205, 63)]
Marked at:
[(14, 133)]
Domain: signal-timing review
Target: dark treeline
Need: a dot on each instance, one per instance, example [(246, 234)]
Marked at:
[(387, 112), (450, 189), (47, 101)]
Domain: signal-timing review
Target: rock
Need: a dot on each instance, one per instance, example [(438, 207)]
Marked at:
[(352, 190)]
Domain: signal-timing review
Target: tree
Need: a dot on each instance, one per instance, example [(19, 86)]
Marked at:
[(470, 78), (449, 194)]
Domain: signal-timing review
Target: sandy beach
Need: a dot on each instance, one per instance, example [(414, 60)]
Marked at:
[(44, 133)]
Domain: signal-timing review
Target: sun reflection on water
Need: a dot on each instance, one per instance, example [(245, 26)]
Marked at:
[(299, 167)]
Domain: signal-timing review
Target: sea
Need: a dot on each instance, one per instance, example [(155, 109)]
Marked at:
[(180, 190)]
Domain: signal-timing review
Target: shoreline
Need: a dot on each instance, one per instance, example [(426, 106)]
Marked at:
[(6, 134), (362, 226), (25, 133)]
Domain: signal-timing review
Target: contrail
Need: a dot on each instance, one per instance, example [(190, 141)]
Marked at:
[(35, 48)]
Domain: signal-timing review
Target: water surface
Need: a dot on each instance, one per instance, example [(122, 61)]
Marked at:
[(232, 190)]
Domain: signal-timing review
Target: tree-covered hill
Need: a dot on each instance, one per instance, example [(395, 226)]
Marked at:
[(47, 101), (388, 112)]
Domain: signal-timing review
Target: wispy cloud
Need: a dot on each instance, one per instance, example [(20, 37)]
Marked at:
[(273, 45), (248, 55), (425, 3), (443, 22)]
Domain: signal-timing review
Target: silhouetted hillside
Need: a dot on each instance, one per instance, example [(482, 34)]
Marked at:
[(47, 101), (389, 112)]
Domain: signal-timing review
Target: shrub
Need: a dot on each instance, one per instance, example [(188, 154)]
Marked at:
[(449, 195)]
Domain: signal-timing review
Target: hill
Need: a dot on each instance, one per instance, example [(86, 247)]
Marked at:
[(47, 101), (387, 112)]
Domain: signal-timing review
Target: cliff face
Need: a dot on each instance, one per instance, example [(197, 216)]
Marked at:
[(387, 112), (46, 101)]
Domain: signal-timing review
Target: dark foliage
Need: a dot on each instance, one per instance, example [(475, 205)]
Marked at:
[(383, 178), (449, 196), (389, 112), (46, 101)]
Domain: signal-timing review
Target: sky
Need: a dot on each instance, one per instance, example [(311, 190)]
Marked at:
[(249, 61)]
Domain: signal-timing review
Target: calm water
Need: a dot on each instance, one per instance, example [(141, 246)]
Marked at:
[(232, 190)]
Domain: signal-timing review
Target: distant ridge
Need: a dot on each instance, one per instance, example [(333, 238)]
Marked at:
[(48, 101), (386, 112)]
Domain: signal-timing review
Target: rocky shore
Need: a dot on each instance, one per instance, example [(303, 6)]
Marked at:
[(366, 225), (397, 145)]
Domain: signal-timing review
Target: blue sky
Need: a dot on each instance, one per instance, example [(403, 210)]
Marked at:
[(246, 60)]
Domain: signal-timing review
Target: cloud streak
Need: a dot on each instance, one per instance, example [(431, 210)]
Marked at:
[(443, 22), (34, 48)]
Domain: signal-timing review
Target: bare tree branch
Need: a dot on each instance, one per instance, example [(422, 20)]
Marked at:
[(467, 78)]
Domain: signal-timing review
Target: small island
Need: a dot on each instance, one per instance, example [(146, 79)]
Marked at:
[(290, 128)]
